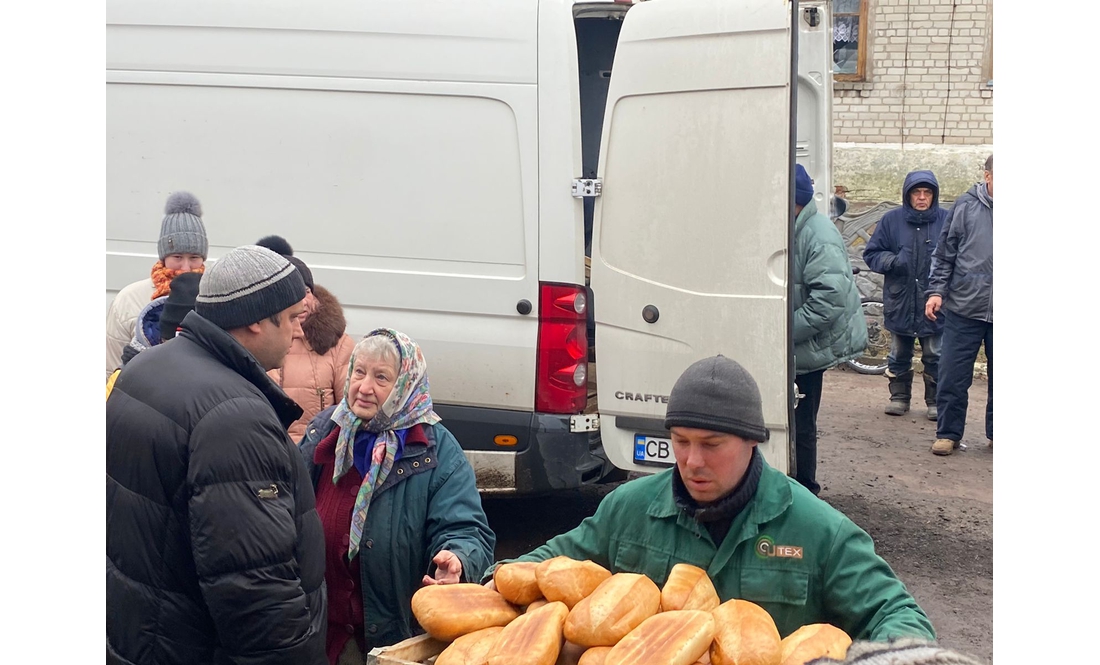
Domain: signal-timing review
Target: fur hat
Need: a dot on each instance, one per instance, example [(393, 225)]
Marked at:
[(248, 285), (182, 230), (277, 244)]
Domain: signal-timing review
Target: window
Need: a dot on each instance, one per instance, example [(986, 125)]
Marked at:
[(849, 39)]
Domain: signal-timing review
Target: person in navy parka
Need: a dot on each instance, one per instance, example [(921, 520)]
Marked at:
[(901, 249)]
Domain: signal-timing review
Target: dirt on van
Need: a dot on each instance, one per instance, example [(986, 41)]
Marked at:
[(931, 517)]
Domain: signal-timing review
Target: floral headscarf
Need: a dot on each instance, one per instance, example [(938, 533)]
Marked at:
[(409, 403)]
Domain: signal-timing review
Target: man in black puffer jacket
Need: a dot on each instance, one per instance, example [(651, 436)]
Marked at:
[(215, 552)]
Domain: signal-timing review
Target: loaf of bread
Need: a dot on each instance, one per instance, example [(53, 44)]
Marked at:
[(679, 637), (595, 656), (746, 635), (535, 605), (688, 588), (817, 640), (448, 611), (567, 580), (517, 583), (470, 649), (533, 639), (616, 607)]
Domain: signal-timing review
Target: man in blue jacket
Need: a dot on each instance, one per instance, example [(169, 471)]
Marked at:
[(961, 285), (901, 249)]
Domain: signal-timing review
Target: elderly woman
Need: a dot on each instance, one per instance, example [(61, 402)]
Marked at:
[(396, 496)]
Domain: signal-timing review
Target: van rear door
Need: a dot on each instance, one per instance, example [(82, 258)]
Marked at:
[(814, 144), (689, 250)]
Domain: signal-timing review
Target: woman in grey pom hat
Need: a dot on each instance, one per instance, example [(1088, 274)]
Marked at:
[(759, 535), (181, 248)]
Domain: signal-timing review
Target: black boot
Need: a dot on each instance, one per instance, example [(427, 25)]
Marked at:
[(930, 396), (901, 390)]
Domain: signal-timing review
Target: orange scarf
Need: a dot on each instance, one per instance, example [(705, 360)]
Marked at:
[(162, 278)]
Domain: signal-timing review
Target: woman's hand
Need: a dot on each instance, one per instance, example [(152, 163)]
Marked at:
[(448, 569)]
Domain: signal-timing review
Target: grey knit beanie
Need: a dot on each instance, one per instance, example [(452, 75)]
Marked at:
[(247, 285), (182, 231), (902, 651), (717, 394)]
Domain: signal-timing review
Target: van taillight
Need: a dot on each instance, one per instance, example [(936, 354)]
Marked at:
[(561, 374)]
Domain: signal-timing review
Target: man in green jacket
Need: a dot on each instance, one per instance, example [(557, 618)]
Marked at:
[(828, 325), (759, 535)]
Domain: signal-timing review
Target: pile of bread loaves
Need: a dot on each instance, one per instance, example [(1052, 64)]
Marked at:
[(578, 612)]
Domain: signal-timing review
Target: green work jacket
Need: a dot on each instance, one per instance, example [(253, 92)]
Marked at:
[(787, 551)]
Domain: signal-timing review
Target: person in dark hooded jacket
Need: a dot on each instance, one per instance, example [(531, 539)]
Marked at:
[(901, 249), (215, 552)]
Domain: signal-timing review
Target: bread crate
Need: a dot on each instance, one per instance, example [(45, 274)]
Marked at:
[(419, 650)]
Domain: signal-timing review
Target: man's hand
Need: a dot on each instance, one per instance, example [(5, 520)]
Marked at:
[(448, 569), (932, 307)]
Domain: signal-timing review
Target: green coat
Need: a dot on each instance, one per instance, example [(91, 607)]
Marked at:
[(838, 578), (428, 503), (828, 325)]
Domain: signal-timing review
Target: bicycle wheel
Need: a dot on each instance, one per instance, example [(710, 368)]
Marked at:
[(873, 360)]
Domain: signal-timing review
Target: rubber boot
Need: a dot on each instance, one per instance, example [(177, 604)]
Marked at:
[(930, 396), (901, 390)]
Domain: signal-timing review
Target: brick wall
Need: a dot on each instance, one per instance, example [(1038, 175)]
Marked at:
[(933, 93)]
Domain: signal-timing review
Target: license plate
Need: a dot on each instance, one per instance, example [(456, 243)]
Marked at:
[(653, 450)]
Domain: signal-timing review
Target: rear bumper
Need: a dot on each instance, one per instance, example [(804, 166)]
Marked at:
[(546, 456)]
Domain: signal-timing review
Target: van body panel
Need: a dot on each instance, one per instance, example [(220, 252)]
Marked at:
[(412, 195), (492, 41), (561, 217), (693, 218)]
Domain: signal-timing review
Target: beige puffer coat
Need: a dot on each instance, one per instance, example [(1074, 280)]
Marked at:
[(316, 368), (122, 316)]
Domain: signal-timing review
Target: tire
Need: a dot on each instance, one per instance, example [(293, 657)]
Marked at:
[(873, 360)]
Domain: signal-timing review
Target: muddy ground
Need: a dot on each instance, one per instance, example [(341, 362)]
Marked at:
[(931, 517)]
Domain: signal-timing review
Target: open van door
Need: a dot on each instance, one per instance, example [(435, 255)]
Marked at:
[(814, 143), (691, 229)]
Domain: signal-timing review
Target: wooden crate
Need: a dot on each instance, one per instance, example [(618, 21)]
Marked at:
[(419, 650), (423, 650)]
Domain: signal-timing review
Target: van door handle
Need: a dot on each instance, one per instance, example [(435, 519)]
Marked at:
[(650, 314)]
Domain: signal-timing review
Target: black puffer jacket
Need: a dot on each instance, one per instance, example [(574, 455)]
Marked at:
[(215, 552)]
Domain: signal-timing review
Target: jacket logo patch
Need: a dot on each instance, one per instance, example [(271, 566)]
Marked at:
[(268, 492), (766, 548)]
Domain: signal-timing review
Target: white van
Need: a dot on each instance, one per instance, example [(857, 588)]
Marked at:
[(444, 168)]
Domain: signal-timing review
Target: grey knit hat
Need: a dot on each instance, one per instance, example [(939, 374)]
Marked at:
[(901, 651), (182, 231), (717, 394), (247, 285)]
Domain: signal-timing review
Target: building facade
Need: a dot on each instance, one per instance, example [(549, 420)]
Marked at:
[(912, 88)]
